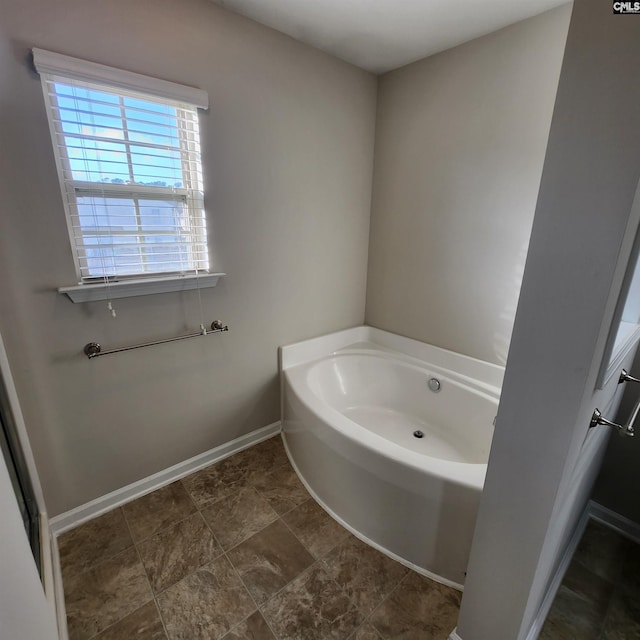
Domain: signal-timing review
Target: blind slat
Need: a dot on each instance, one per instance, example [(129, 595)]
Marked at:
[(115, 118), (111, 147), (67, 90)]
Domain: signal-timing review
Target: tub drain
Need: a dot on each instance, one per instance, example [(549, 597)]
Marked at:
[(418, 434)]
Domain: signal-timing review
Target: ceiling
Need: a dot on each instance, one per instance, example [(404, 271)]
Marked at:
[(380, 35)]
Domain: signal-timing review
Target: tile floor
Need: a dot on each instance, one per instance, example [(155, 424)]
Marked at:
[(237, 551), (599, 598)]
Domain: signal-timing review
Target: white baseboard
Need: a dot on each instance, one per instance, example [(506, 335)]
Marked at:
[(58, 590), (50, 565), (621, 524), (554, 585), (70, 519), (454, 635)]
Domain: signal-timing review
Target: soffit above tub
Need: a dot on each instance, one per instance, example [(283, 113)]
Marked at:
[(380, 35)]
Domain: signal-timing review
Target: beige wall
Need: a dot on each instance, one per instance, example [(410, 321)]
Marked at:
[(288, 147), (460, 142), (287, 151)]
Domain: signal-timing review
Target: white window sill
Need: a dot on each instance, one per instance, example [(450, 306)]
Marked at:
[(139, 287)]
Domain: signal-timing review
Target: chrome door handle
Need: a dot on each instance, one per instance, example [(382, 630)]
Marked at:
[(623, 429), (625, 377)]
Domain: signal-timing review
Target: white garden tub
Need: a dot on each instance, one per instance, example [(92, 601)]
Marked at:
[(351, 403)]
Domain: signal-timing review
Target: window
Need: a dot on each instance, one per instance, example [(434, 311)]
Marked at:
[(129, 168)]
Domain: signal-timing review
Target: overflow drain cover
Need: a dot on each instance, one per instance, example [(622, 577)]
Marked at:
[(418, 434)]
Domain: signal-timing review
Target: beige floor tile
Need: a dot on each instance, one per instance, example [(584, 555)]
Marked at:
[(623, 619), (153, 512), (317, 531), (99, 597), (366, 632), (598, 597), (602, 550), (567, 622), (269, 560), (177, 551), (206, 604), (588, 585), (365, 574), (283, 490), (93, 542), (199, 592), (630, 577), (270, 453), (579, 607), (239, 516), (208, 485), (142, 624), (253, 628), (418, 609), (241, 470), (312, 607)]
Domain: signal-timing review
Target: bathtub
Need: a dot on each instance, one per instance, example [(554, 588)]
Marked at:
[(391, 437)]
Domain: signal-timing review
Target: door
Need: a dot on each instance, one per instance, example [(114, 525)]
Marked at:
[(25, 612), (18, 474), (544, 456)]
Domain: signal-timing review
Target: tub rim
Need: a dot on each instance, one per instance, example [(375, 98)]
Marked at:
[(478, 387), (488, 374), (468, 474)]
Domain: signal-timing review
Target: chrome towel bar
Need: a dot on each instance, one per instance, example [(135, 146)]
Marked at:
[(93, 349)]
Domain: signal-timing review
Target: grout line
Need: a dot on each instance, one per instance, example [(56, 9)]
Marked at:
[(320, 564), (368, 617), (162, 622), (167, 527), (113, 624), (135, 546), (295, 535), (603, 621), (163, 527), (237, 544), (142, 605), (235, 490), (198, 509), (103, 560), (279, 591), (214, 537), (153, 594), (320, 561), (247, 537), (220, 555), (365, 622), (242, 582)]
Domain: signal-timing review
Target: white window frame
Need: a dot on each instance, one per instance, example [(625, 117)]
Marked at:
[(60, 67)]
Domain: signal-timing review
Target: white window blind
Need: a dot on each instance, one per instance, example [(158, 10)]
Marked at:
[(131, 177)]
